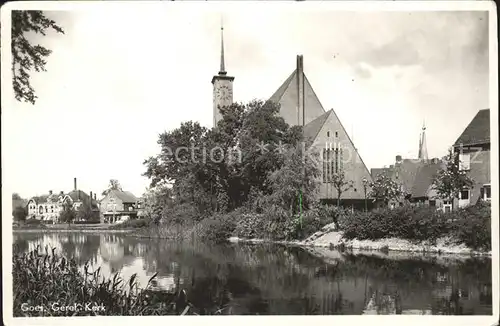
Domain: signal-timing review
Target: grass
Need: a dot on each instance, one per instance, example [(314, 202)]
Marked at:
[(45, 281)]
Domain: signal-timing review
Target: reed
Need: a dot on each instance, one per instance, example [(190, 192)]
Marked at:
[(44, 281)]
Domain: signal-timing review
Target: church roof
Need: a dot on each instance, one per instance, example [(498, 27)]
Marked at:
[(276, 97), (312, 129), (478, 130)]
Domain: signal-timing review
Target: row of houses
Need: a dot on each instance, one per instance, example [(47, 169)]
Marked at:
[(416, 175), (115, 205)]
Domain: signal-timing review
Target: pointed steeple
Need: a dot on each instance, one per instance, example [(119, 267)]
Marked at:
[(222, 71), (422, 150)]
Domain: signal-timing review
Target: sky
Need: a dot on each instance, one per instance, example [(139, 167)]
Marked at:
[(117, 79)]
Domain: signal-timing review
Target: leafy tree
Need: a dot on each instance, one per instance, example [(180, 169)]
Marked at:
[(384, 189), (27, 57), (20, 213), (216, 169), (85, 211), (15, 196), (341, 184), (113, 185), (450, 180), (296, 177), (68, 214)]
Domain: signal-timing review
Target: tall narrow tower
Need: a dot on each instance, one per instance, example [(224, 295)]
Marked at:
[(422, 146), (222, 86)]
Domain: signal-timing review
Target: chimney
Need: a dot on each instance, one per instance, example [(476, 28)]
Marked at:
[(95, 197), (50, 192), (300, 91), (74, 182), (398, 158), (91, 197), (61, 193)]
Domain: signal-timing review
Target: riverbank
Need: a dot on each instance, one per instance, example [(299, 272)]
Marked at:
[(329, 238)]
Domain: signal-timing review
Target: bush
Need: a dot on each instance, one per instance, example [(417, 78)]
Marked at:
[(217, 228), (411, 223), (132, 224), (473, 226), (87, 222)]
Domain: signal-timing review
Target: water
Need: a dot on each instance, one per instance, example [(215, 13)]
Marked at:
[(279, 280)]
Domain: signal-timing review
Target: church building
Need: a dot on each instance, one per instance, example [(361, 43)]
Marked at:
[(299, 106)]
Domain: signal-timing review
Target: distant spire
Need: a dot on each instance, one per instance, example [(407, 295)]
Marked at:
[(422, 150), (222, 65)]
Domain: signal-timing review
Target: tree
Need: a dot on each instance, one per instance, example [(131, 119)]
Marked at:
[(68, 214), (223, 163), (450, 180), (85, 211), (20, 213), (25, 56), (113, 185), (295, 182), (384, 189), (341, 184), (15, 196)]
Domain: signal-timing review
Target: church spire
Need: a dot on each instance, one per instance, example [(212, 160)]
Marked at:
[(422, 148), (222, 65)]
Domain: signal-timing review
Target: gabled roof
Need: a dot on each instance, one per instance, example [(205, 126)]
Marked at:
[(424, 179), (312, 129), (478, 130), (381, 171), (124, 196), (407, 172), (276, 97)]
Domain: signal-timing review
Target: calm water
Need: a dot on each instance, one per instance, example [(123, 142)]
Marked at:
[(278, 280)]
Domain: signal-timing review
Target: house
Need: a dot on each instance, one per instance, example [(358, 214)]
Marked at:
[(474, 149), (118, 204), (415, 176), (299, 106), (49, 207)]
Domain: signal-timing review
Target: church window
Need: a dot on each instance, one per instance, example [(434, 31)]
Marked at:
[(327, 134), (336, 160), (324, 165), (336, 134), (341, 159)]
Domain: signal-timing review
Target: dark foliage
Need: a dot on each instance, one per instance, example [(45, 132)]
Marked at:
[(471, 226), (27, 57)]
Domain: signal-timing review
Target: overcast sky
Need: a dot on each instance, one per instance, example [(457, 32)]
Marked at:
[(116, 79)]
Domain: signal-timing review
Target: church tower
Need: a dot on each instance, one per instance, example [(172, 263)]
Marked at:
[(422, 146), (222, 86)]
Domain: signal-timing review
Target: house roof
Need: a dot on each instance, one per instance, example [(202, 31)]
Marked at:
[(312, 129), (125, 196), (407, 172), (478, 130), (384, 171), (424, 179)]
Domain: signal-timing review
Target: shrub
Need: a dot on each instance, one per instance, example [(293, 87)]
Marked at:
[(133, 224), (87, 222), (217, 228), (473, 226)]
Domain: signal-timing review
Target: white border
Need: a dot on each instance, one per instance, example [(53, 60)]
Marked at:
[(249, 6)]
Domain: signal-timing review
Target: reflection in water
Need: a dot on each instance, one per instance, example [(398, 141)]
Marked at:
[(277, 280)]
